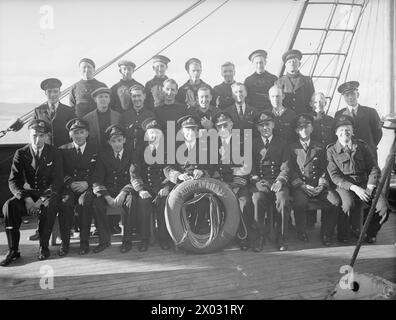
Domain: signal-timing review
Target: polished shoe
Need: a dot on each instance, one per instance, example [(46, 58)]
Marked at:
[(100, 247), (84, 250), (44, 253), (143, 246), (126, 246), (282, 247), (343, 240), (164, 246), (11, 256), (370, 240), (258, 245), (244, 245), (116, 229), (326, 241), (303, 237), (63, 250), (35, 237)]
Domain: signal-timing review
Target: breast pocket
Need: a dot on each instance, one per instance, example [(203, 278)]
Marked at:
[(344, 163)]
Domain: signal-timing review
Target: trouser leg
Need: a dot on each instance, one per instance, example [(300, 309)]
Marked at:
[(66, 214), (46, 221), (282, 214), (375, 225), (163, 234), (13, 210), (330, 212), (99, 206), (348, 206), (144, 217), (301, 201)]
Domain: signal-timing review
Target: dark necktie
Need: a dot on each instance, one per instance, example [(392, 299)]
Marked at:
[(305, 146), (353, 113), (51, 111), (154, 153), (36, 159), (118, 157), (240, 111), (266, 145), (79, 153)]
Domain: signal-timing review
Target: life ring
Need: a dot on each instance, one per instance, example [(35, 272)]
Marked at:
[(173, 210)]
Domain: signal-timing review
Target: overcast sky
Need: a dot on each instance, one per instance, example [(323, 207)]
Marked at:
[(100, 30)]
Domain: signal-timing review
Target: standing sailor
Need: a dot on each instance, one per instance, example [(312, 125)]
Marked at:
[(120, 98), (223, 90), (80, 95), (54, 112), (35, 181), (258, 84), (154, 86), (323, 125), (298, 89)]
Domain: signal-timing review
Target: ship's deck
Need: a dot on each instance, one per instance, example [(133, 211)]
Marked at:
[(306, 271)]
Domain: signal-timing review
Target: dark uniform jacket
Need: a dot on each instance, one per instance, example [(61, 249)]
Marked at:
[(244, 122), (323, 129), (46, 177), (63, 113), (174, 170), (200, 114), (309, 167), (79, 168), (355, 167), (94, 130), (257, 86), (298, 92), (80, 96), (284, 125), (115, 102), (156, 81), (132, 121), (224, 92), (188, 89), (272, 165), (170, 112), (111, 176), (149, 177), (367, 125)]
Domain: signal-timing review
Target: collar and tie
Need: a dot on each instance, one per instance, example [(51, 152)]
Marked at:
[(79, 153), (51, 111), (304, 145), (266, 143), (118, 156), (240, 110)]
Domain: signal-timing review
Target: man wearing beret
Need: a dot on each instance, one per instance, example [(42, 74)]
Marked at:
[(150, 184), (204, 111), (298, 89), (231, 172), (54, 112), (111, 183), (367, 124), (79, 161), (258, 84), (354, 170), (81, 92), (102, 117), (223, 90), (133, 118), (284, 117), (120, 98), (323, 125), (270, 175), (169, 109), (309, 181), (189, 91), (154, 86), (35, 181)]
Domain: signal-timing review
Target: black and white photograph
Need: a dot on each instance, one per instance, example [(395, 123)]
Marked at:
[(219, 151)]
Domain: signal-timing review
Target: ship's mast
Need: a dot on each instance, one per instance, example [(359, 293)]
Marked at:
[(390, 62)]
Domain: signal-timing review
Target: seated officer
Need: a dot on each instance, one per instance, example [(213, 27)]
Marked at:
[(310, 182), (353, 169), (35, 181), (111, 182), (148, 180), (270, 175), (79, 161), (233, 173)]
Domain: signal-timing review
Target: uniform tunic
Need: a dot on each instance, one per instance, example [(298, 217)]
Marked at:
[(155, 82), (115, 102), (298, 90), (80, 96), (284, 125), (323, 129), (224, 92), (188, 93), (257, 86), (170, 112), (132, 121)]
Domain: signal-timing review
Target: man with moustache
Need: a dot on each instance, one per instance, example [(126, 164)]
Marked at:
[(154, 94), (258, 84), (81, 92), (298, 89), (223, 90), (120, 99)]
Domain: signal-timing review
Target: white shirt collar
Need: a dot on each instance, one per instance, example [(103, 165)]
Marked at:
[(243, 106), (82, 148), (154, 145), (308, 142), (55, 104), (121, 153), (277, 112), (226, 140), (269, 139), (190, 145), (39, 150), (350, 108)]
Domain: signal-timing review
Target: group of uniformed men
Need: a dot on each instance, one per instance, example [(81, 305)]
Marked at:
[(90, 156)]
